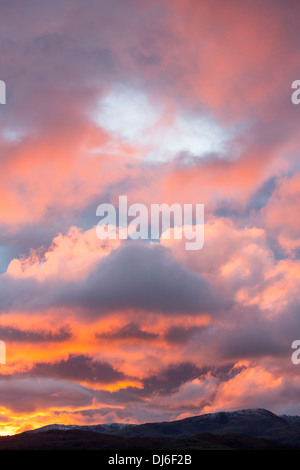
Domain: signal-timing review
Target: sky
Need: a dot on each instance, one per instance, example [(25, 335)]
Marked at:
[(164, 101)]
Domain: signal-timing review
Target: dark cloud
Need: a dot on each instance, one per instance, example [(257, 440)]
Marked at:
[(78, 367), (251, 335), (181, 335), (170, 379), (252, 343), (12, 334), (143, 278), (129, 331), (135, 276)]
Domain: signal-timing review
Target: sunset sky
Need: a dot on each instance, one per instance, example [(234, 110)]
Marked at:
[(164, 101)]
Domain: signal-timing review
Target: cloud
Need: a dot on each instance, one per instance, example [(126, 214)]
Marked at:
[(70, 256), (131, 331), (145, 278), (179, 334), (135, 276), (169, 380), (40, 394), (76, 368), (13, 334)]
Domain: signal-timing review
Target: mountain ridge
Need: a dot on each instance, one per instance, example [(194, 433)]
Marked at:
[(255, 422), (250, 428), (115, 427)]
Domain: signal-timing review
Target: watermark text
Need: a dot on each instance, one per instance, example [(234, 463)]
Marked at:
[(175, 221)]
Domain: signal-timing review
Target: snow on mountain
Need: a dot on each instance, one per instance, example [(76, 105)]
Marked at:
[(107, 428)]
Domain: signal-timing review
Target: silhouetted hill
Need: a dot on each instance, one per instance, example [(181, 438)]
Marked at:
[(86, 440), (257, 422), (243, 429)]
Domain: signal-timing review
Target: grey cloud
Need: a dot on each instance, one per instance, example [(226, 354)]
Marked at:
[(145, 278), (13, 334), (135, 277), (78, 367), (129, 331)]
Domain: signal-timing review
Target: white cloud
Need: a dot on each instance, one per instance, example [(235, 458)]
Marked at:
[(128, 114)]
